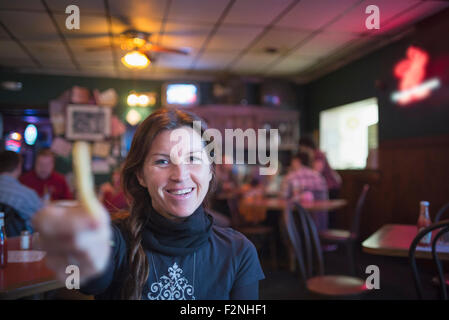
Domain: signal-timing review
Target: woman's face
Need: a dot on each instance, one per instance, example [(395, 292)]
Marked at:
[(176, 175), (318, 165)]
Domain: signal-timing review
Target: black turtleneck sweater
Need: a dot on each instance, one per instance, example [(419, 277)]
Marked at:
[(193, 259)]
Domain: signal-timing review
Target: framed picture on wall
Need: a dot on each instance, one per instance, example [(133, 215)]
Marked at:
[(88, 122)]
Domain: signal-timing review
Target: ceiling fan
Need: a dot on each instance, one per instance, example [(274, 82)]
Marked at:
[(140, 49)]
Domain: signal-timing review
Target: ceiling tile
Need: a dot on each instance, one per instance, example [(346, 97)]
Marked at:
[(14, 51), (292, 65), (281, 38), (90, 27), (100, 58), (100, 44), (29, 25), (3, 34), (197, 10), (97, 67), (93, 33), (22, 5), (323, 44), (47, 50), (262, 11), (147, 9), (253, 63), (314, 14), (233, 38), (185, 35), (62, 64), (215, 60), (85, 6), (354, 21), (168, 60)]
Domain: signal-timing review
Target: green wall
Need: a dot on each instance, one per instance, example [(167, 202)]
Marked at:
[(38, 90)]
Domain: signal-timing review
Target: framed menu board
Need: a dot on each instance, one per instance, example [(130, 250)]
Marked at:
[(88, 122)]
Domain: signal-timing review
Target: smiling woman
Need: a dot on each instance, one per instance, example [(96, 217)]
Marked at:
[(169, 242)]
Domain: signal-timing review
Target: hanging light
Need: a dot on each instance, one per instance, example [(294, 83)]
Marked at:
[(133, 99), (136, 60), (133, 117), (141, 99), (144, 100)]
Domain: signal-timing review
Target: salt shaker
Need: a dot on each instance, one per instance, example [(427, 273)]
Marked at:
[(25, 240)]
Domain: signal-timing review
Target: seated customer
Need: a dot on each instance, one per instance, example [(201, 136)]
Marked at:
[(112, 194), (333, 179), (305, 184), (49, 184), (22, 199)]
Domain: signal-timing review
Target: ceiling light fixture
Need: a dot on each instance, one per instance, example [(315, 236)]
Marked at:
[(136, 60)]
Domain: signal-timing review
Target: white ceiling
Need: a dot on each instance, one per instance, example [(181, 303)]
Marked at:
[(222, 36)]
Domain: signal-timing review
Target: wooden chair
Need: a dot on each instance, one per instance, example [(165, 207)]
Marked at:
[(254, 232), (442, 228), (440, 212), (348, 238), (14, 223), (438, 216), (307, 247)]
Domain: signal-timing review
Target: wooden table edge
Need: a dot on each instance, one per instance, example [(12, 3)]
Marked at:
[(29, 289), (398, 253)]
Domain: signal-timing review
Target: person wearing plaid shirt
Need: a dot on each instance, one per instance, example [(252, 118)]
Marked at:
[(304, 183)]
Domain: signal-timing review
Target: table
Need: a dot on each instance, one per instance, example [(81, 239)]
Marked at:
[(395, 240), (281, 204), (18, 280), (254, 208)]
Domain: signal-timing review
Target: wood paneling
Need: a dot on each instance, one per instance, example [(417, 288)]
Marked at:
[(410, 170)]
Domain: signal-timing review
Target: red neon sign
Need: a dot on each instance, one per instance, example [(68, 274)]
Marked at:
[(411, 71)]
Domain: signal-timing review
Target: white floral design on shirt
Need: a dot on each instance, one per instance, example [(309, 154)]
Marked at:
[(174, 287)]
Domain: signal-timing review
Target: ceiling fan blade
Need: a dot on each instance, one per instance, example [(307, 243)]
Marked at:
[(156, 48)]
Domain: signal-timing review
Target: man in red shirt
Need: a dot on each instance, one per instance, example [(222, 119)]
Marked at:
[(49, 184)]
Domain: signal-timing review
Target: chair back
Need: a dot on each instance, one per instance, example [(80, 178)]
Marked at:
[(233, 205), (358, 211), (443, 227), (440, 212), (303, 236), (14, 223)]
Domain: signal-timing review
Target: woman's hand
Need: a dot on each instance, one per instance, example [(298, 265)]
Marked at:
[(71, 236)]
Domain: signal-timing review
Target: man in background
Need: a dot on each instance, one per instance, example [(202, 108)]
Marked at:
[(49, 184), (22, 199)]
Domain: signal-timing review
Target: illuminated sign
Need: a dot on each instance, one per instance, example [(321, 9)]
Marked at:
[(30, 134), (13, 142), (411, 72)]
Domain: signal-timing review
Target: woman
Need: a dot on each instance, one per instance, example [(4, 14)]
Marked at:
[(112, 195), (169, 247)]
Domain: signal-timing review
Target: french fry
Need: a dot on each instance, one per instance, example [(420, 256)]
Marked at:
[(84, 180)]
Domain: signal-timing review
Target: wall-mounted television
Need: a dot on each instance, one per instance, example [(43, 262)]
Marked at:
[(181, 94)]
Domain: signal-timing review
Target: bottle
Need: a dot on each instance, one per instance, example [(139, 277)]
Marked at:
[(25, 240), (423, 222), (3, 242)]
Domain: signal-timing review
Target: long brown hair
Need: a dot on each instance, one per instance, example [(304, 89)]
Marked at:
[(138, 196)]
